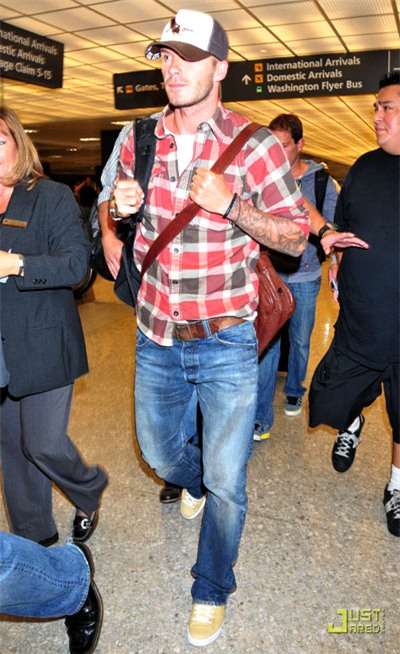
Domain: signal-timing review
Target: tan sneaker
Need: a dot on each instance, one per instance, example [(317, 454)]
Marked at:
[(261, 437), (205, 623), (190, 506)]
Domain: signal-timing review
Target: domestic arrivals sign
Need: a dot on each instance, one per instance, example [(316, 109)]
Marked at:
[(28, 57), (292, 77), (267, 79)]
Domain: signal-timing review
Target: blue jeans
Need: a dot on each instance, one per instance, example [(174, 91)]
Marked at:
[(37, 582), (300, 329), (220, 373)]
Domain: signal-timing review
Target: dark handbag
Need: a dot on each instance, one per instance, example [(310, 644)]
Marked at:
[(275, 305)]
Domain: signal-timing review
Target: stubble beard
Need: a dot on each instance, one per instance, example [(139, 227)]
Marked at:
[(199, 96)]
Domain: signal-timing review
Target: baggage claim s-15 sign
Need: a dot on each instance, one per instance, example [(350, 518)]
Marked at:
[(267, 79), (31, 58)]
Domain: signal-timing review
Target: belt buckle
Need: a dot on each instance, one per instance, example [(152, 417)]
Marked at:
[(181, 329)]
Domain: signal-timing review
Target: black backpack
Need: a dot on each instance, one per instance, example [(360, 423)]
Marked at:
[(284, 263), (321, 182), (128, 280)]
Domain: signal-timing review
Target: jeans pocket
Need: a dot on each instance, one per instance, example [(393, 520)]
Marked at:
[(141, 340), (242, 335)]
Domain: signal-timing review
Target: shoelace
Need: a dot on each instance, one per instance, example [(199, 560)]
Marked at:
[(190, 501), (345, 442), (203, 613), (394, 503)]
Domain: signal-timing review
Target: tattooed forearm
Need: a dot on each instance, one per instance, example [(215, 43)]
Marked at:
[(277, 233)]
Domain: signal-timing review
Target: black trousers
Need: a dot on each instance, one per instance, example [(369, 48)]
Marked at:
[(341, 388), (36, 451)]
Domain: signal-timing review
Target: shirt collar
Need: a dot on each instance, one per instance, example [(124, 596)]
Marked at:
[(214, 124)]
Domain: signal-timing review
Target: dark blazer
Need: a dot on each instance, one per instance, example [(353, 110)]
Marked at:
[(39, 322)]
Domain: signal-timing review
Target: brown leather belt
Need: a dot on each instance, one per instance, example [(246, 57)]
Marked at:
[(189, 331)]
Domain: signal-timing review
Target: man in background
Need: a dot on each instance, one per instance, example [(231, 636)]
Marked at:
[(365, 351), (302, 275)]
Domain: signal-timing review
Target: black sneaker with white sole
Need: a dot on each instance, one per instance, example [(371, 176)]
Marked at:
[(293, 405), (344, 449), (391, 501)]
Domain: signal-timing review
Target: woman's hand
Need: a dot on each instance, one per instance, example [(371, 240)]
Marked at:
[(9, 263)]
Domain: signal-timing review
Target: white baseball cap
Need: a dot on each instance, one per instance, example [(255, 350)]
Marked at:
[(193, 36)]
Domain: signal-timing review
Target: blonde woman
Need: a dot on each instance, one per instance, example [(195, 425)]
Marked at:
[(43, 253)]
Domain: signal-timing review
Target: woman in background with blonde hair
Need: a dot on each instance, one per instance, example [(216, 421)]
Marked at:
[(43, 254)]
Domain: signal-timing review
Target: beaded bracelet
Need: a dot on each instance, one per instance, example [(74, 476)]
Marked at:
[(229, 209)]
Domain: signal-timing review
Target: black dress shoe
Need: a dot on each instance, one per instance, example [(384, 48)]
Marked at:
[(83, 527), (84, 627), (170, 493), (46, 542)]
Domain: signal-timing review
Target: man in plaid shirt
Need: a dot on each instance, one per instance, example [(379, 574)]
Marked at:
[(198, 300)]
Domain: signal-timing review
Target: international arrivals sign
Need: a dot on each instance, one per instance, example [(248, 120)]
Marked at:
[(317, 75), (28, 57), (269, 79)]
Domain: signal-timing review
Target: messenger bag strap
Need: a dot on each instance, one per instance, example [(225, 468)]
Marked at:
[(189, 212)]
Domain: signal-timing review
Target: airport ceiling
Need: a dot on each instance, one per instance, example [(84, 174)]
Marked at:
[(105, 37)]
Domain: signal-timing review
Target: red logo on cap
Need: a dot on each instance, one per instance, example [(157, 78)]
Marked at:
[(176, 28)]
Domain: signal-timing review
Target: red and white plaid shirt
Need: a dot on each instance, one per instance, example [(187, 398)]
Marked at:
[(208, 270)]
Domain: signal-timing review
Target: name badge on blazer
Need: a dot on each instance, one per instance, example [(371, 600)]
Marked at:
[(15, 223)]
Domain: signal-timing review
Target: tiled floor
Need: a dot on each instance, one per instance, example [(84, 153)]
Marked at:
[(315, 545)]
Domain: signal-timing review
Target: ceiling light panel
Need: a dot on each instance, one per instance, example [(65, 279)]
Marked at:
[(91, 74), (31, 7), (296, 12), (125, 11), (250, 37), (302, 31), (365, 25), (362, 42), (237, 19), (74, 42), (150, 30), (6, 13), (136, 49), (315, 46), (75, 19), (116, 67), (32, 25), (264, 51), (207, 6), (343, 8), (111, 35), (255, 5), (96, 55)]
